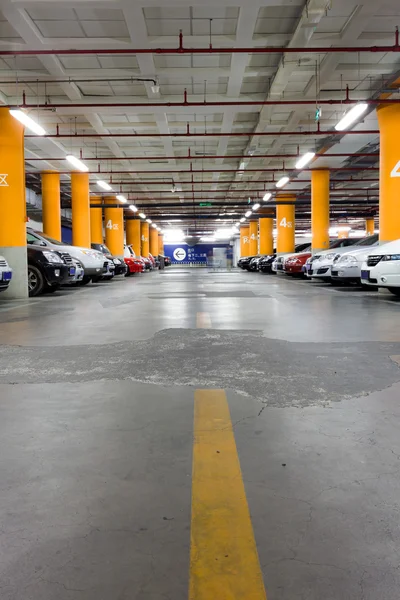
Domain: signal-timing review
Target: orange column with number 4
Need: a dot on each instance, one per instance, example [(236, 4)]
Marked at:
[(389, 172), (285, 224), (114, 228)]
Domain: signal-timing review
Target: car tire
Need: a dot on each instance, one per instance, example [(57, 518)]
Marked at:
[(86, 279), (36, 281), (395, 291), (96, 279)]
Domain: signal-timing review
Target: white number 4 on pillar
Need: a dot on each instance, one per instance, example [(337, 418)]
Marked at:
[(111, 225), (395, 172), (285, 223)]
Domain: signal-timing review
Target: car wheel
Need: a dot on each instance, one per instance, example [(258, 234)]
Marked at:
[(395, 291), (86, 279), (36, 281), (95, 279)]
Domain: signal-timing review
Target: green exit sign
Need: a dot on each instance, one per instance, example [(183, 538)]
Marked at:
[(205, 204)]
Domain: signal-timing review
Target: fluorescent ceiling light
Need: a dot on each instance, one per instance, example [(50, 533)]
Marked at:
[(247, 213), (142, 215), (267, 196), (175, 221), (104, 185), (304, 160), (283, 181), (133, 208), (207, 238), (242, 220), (255, 206), (26, 120), (77, 163), (154, 225), (121, 198), (149, 220), (155, 88), (242, 166), (173, 188), (352, 115)]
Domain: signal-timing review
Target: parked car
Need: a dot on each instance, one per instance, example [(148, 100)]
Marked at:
[(382, 267), (294, 265), (321, 263), (148, 265), (133, 263), (79, 273), (119, 265), (253, 264), (93, 261), (47, 270), (346, 267), (5, 274), (278, 264), (154, 261), (244, 261), (167, 261), (265, 264)]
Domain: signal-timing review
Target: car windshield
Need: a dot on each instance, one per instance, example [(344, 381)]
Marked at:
[(103, 248), (368, 241), (49, 239), (301, 247)]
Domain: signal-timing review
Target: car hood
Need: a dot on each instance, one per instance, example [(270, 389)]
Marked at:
[(361, 252), (389, 248)]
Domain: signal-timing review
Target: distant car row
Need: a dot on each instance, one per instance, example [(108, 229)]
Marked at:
[(358, 261), (52, 263)]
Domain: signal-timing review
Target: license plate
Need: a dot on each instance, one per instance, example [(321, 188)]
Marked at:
[(365, 275), (7, 276), (72, 271)]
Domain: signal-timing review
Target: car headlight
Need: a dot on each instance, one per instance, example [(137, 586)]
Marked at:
[(387, 257), (116, 261), (93, 254), (330, 256), (347, 259), (52, 257), (309, 261)]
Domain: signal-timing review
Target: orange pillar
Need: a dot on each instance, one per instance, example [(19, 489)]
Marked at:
[(285, 224), (96, 220), (80, 209), (161, 244), (114, 227), (133, 235), (343, 233), (144, 230), (12, 203), (244, 240), (253, 238), (51, 205), (320, 209), (266, 226), (153, 241), (370, 226), (389, 172)]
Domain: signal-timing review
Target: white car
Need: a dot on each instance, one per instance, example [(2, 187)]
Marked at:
[(94, 262), (5, 274), (346, 268), (382, 267), (321, 263)]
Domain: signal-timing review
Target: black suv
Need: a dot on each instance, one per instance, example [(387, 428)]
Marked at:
[(47, 270)]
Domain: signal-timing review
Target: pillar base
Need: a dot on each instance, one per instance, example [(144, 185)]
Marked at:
[(16, 257)]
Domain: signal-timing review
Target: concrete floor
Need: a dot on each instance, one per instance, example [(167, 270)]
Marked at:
[(96, 434)]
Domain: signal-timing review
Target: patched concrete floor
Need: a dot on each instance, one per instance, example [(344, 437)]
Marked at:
[(96, 434)]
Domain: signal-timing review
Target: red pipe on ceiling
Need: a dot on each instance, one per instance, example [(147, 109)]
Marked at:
[(212, 182), (209, 157), (210, 50), (223, 192), (343, 101), (206, 134), (194, 171)]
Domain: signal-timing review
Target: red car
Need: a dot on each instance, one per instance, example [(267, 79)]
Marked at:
[(134, 264), (294, 264)]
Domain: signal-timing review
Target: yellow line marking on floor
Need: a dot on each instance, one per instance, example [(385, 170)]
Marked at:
[(203, 320), (224, 562)]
